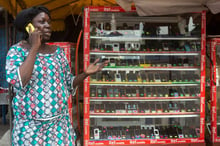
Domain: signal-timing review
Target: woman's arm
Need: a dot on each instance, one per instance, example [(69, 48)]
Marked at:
[(27, 66), (79, 78), (92, 68)]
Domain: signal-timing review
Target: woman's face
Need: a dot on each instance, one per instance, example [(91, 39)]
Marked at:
[(42, 23)]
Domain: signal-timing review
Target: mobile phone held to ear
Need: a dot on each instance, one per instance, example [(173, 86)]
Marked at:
[(29, 28)]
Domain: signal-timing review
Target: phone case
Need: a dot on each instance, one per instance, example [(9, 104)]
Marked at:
[(29, 28)]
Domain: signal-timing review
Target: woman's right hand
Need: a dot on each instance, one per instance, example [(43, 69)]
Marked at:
[(35, 39)]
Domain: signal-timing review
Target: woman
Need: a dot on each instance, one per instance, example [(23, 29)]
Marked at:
[(42, 81)]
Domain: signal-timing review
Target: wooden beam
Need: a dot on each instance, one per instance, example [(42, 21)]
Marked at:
[(12, 9), (48, 2), (109, 2), (22, 4), (63, 5)]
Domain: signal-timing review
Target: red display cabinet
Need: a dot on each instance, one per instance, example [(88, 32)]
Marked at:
[(153, 89), (214, 45)]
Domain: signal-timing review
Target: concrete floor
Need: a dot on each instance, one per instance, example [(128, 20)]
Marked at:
[(4, 132)]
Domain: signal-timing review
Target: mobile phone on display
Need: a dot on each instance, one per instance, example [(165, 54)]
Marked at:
[(130, 76), (107, 108), (122, 76), (104, 92), (111, 76), (112, 62), (159, 108), (91, 133), (143, 76), (157, 77), (136, 62), (141, 107), (110, 92), (147, 108), (150, 77), (141, 92), (165, 107), (197, 132), (156, 133), (116, 92), (29, 28), (163, 77), (192, 92), (96, 133), (93, 92), (118, 77), (122, 92), (154, 92), (186, 92), (128, 92), (174, 77), (99, 92), (99, 76), (148, 92), (180, 91), (133, 92), (153, 107), (162, 92), (92, 108)]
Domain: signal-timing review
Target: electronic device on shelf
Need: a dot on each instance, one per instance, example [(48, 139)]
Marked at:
[(112, 62), (99, 92), (93, 92), (154, 92), (165, 107), (118, 77), (116, 92), (99, 76), (110, 92), (96, 133), (157, 77), (122, 92), (93, 77), (143, 76), (141, 92), (92, 108), (150, 77), (128, 92), (150, 91)]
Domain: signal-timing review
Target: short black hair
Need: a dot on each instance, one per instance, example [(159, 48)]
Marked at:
[(26, 16)]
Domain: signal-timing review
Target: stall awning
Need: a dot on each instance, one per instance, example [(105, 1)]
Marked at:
[(165, 7), (59, 9)]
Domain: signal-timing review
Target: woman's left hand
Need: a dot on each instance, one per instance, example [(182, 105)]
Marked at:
[(94, 67)]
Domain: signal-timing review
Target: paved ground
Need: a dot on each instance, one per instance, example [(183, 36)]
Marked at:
[(4, 132)]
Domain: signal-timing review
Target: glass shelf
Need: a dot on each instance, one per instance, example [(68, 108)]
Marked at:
[(153, 85), (151, 68), (145, 53), (174, 115), (119, 39), (144, 98)]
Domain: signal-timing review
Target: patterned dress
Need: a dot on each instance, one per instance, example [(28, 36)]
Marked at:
[(40, 107)]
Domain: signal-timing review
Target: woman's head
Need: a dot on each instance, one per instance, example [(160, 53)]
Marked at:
[(39, 16)]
